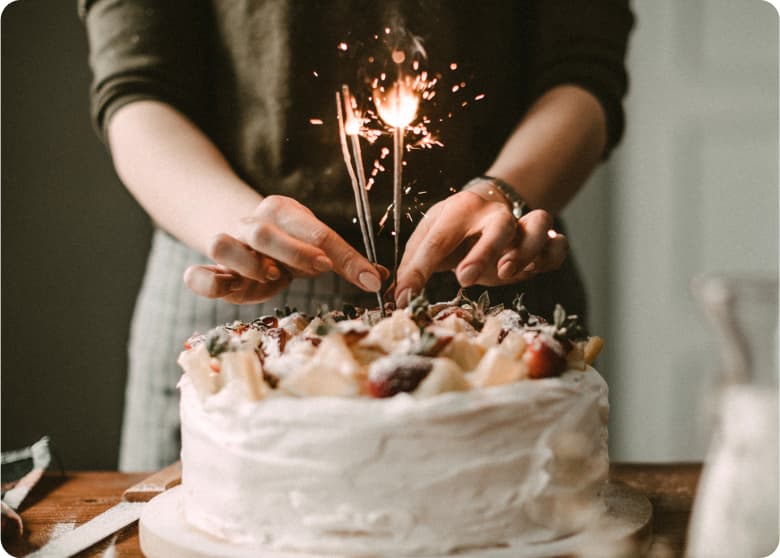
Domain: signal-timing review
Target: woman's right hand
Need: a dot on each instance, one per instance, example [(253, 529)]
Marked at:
[(280, 240)]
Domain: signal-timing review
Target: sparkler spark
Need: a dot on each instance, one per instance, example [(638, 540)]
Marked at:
[(398, 56)]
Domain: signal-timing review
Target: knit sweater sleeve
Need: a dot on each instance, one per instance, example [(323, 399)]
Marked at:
[(584, 43), (146, 49)]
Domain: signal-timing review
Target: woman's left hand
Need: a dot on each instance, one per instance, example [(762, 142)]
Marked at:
[(482, 242)]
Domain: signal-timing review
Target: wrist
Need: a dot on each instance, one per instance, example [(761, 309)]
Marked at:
[(491, 188)]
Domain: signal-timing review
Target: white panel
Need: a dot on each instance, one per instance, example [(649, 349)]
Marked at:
[(695, 190), (725, 211), (738, 196), (726, 36)]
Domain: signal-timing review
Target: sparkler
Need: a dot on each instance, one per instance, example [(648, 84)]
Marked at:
[(351, 127), (397, 107)]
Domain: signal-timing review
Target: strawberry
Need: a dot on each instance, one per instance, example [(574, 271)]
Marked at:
[(278, 335), (390, 375), (544, 357)]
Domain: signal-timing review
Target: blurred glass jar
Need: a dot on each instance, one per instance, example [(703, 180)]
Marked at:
[(736, 507)]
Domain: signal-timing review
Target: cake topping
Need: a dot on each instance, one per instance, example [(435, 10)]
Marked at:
[(424, 349)]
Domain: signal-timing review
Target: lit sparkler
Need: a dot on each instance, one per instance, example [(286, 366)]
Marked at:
[(352, 126), (397, 107)]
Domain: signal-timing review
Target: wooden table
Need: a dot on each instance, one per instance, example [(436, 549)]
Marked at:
[(58, 503)]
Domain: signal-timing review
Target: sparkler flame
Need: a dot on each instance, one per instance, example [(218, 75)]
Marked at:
[(353, 121), (398, 105), (352, 126)]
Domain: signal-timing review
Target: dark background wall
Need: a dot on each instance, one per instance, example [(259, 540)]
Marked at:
[(73, 246)]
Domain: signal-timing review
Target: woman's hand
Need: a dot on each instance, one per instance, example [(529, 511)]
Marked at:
[(280, 240), (481, 242)]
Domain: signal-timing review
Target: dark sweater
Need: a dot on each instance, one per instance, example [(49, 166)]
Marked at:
[(243, 71)]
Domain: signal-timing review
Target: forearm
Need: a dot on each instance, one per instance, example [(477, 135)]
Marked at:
[(554, 148), (177, 174)]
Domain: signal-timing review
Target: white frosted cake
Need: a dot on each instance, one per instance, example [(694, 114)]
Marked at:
[(438, 429)]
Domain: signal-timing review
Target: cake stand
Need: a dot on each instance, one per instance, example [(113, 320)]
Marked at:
[(625, 529)]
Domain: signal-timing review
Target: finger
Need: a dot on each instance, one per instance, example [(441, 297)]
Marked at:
[(214, 282), (549, 259), (290, 251), (553, 255), (421, 230), (531, 241), (300, 223), (235, 255), (210, 281), (344, 259), (481, 261), (408, 281), (425, 251)]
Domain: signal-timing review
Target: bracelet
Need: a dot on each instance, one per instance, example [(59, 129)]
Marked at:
[(501, 188)]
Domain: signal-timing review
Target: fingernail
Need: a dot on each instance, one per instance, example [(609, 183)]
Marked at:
[(322, 263), (530, 267), (402, 299), (507, 269), (198, 283), (369, 281), (469, 275), (273, 273)]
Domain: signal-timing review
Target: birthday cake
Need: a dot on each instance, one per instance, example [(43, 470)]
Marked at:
[(436, 429)]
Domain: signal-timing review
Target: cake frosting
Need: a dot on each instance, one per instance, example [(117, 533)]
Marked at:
[(295, 448)]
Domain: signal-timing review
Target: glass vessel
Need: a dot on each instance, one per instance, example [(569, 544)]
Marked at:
[(736, 507)]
